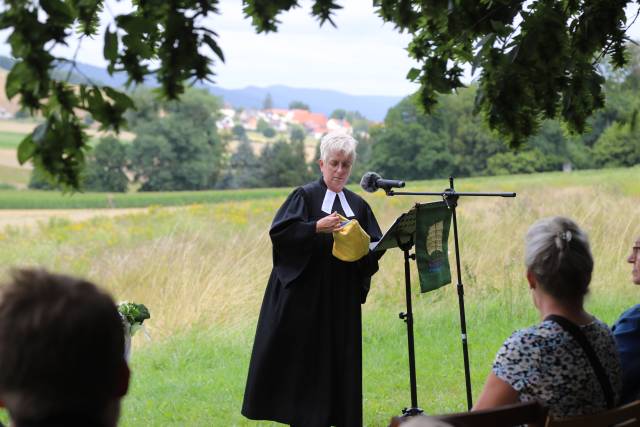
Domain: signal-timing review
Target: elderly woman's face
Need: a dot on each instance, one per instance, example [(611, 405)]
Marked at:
[(336, 170)]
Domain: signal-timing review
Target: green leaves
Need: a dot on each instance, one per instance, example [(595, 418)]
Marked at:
[(122, 101), (263, 13), (110, 46), (26, 149), (538, 58), (530, 67), (413, 74), (15, 79), (57, 9), (88, 14), (58, 146), (133, 313), (109, 114), (324, 10), (206, 38)]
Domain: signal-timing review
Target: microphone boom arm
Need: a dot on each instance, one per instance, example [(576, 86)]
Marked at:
[(446, 193)]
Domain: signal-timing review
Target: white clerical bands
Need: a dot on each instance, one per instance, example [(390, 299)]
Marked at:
[(330, 197)]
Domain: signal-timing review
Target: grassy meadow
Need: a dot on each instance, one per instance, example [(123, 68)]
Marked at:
[(10, 139), (14, 176), (201, 269), (36, 199)]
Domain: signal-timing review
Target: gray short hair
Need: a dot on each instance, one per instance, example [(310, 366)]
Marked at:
[(337, 141), (557, 252)]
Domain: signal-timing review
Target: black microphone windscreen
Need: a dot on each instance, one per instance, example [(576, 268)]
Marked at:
[(368, 182)]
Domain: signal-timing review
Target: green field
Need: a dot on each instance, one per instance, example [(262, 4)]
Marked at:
[(623, 181), (201, 270), (10, 139), (32, 199)]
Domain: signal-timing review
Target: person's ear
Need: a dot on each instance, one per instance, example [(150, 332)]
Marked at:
[(531, 278), (122, 382), (320, 163)]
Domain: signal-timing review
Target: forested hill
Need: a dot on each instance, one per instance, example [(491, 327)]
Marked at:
[(319, 100)]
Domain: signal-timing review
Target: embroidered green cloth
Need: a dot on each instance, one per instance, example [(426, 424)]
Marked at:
[(433, 221)]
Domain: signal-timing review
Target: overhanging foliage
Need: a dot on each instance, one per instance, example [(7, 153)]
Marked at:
[(538, 58)]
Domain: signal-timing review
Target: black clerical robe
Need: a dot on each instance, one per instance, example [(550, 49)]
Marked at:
[(306, 364)]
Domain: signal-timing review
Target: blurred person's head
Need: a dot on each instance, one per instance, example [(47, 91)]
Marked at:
[(61, 350), (634, 259), (337, 155), (558, 259)]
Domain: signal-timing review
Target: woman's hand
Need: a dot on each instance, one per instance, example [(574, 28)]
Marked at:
[(328, 224)]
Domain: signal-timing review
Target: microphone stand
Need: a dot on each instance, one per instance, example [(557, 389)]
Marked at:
[(450, 197)]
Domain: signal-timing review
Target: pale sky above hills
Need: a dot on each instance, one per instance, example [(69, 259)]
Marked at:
[(362, 56)]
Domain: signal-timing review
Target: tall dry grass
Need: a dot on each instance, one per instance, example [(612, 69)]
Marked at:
[(492, 234), (191, 279), (191, 266)]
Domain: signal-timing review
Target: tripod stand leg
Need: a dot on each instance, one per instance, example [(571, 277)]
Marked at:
[(408, 318), (463, 322)]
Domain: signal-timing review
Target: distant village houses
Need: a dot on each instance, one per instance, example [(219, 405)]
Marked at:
[(281, 120), (4, 114), (226, 118)]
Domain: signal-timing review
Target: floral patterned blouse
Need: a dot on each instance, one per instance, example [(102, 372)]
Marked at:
[(544, 362)]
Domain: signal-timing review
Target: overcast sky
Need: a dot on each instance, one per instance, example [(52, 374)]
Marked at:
[(361, 56)]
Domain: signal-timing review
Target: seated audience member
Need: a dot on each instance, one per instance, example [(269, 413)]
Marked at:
[(61, 352), (626, 331), (546, 362)]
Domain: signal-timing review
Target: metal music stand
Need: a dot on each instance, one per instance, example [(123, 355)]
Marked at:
[(404, 234), (401, 235)]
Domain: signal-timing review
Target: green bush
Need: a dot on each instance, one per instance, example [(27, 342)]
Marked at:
[(105, 167), (619, 145), (529, 161), (40, 180)]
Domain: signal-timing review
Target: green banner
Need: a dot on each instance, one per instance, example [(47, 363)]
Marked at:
[(433, 221)]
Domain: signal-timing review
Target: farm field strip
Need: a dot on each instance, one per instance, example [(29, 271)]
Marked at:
[(32, 199), (618, 181)]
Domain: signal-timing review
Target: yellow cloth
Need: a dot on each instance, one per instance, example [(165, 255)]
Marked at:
[(351, 242)]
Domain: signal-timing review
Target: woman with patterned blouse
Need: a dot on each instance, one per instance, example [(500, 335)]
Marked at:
[(545, 362)]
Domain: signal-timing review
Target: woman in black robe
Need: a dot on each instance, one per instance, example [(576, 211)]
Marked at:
[(306, 364)]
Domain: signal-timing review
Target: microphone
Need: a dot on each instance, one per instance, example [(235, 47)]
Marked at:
[(372, 181)]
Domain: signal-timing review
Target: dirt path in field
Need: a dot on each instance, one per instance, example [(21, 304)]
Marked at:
[(8, 158), (31, 217), (17, 127)]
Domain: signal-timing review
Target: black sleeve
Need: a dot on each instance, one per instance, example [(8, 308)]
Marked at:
[(368, 265), (292, 235)]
